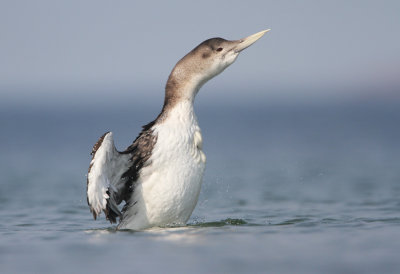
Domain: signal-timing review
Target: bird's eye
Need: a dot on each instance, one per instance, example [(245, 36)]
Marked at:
[(219, 49)]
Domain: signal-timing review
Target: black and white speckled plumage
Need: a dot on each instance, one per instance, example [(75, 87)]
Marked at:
[(138, 154)]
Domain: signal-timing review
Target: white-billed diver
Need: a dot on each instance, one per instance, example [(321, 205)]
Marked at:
[(159, 176)]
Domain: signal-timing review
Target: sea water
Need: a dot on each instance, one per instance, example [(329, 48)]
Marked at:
[(288, 189)]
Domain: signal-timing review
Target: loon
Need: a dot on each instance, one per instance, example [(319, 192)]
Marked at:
[(159, 175)]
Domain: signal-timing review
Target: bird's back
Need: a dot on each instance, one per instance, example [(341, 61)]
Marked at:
[(159, 176)]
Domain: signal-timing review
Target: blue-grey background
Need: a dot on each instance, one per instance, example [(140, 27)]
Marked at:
[(301, 134)]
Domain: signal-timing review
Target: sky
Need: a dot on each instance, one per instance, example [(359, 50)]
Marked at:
[(96, 51)]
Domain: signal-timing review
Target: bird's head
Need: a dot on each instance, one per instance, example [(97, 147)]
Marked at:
[(206, 61)]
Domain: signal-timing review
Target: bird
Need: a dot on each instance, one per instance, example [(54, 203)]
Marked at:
[(159, 176)]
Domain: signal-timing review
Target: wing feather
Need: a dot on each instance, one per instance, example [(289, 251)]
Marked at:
[(104, 183), (112, 174)]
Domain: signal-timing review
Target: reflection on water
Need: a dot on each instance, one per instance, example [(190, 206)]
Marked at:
[(316, 184)]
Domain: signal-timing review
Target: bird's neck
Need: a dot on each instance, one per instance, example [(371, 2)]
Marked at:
[(178, 112), (181, 89)]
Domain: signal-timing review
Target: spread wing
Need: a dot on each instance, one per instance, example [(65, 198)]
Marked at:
[(112, 174), (106, 187)]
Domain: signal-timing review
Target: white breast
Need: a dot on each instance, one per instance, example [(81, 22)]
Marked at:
[(168, 188)]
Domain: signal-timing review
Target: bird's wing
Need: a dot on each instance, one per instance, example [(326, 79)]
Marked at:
[(106, 185), (112, 174)]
